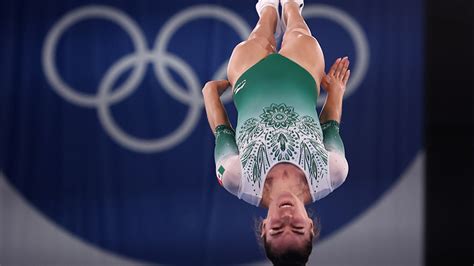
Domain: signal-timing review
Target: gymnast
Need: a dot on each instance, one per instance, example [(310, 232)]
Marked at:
[(281, 156)]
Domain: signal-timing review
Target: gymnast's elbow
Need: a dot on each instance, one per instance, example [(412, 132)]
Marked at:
[(338, 169), (232, 185), (229, 174)]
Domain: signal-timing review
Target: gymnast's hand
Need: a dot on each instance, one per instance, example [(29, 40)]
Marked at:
[(219, 86), (336, 80), (334, 83)]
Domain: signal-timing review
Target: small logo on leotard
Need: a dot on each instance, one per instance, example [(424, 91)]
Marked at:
[(220, 174), (240, 86)]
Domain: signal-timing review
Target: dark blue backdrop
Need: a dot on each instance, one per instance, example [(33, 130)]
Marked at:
[(165, 205)]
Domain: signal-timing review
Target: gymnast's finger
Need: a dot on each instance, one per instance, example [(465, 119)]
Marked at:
[(345, 67), (339, 68), (346, 76), (223, 83), (333, 67)]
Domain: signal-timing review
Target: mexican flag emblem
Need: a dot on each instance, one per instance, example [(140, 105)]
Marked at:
[(220, 174)]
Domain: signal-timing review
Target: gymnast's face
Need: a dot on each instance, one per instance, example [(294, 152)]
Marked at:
[(287, 224)]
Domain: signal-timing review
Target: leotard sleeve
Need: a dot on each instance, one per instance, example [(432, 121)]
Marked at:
[(338, 167), (226, 156)]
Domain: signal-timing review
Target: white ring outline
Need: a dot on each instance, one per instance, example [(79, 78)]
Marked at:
[(358, 37), (136, 144), (72, 17), (139, 59), (181, 18)]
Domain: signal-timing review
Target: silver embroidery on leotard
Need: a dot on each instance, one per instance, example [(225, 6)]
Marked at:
[(281, 135)]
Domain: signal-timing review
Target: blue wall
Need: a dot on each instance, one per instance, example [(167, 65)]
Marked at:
[(110, 141)]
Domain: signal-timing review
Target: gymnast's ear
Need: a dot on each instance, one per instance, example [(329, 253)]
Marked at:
[(311, 228), (262, 227)]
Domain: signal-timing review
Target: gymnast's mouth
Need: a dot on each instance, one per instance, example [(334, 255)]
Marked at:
[(286, 204)]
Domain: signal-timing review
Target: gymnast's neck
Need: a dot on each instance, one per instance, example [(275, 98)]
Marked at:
[(283, 178)]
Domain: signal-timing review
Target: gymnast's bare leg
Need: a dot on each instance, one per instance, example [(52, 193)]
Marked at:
[(259, 44)]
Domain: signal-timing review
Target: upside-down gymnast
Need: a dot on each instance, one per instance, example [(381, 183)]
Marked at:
[(281, 155)]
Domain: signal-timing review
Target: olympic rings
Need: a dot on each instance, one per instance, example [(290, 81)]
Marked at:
[(161, 59), (70, 19), (138, 61)]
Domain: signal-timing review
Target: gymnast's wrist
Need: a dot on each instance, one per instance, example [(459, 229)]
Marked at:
[(330, 112), (335, 95)]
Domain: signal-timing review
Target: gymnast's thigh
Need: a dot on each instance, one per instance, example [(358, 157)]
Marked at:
[(245, 55), (304, 50)]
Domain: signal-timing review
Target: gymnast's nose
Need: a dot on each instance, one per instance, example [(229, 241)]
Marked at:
[(286, 217)]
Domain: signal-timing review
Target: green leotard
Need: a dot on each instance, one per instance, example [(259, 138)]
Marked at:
[(277, 122)]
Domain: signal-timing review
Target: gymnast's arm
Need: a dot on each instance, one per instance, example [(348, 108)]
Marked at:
[(335, 84), (226, 153)]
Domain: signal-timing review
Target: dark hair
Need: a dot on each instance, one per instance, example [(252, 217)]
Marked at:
[(290, 257)]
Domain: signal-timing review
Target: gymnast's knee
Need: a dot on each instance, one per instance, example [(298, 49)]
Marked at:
[(267, 44), (298, 28), (298, 34)]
